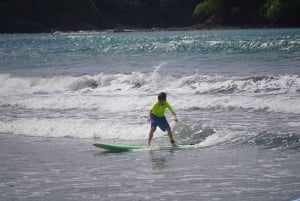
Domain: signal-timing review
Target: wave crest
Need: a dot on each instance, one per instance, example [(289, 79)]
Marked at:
[(196, 83)]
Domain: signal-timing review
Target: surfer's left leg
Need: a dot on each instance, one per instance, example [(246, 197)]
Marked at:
[(170, 134)]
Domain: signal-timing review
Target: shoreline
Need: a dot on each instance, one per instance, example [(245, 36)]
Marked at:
[(129, 28)]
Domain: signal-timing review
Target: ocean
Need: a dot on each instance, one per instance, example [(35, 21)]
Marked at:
[(235, 92)]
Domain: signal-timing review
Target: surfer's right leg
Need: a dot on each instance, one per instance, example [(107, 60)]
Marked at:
[(152, 130)]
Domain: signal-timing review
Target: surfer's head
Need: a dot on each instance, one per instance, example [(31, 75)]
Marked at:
[(162, 97)]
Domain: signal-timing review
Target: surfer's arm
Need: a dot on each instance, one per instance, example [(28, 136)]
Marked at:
[(149, 116), (172, 111), (175, 116), (150, 111)]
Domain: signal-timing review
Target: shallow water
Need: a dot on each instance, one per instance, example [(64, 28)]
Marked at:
[(71, 169)]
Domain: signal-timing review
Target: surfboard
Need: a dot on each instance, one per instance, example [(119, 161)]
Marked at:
[(121, 148)]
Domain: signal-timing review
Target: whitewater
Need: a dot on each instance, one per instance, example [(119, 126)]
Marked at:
[(84, 106), (229, 85)]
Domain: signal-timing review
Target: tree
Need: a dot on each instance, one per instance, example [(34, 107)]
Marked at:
[(209, 10), (283, 11)]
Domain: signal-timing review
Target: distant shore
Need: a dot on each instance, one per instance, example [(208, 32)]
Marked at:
[(194, 27), (31, 16), (34, 28)]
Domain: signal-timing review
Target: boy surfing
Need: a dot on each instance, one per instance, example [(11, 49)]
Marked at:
[(157, 117)]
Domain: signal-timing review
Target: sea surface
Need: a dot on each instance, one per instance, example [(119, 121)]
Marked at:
[(235, 92)]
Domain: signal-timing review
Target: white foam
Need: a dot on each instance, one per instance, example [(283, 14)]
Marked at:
[(137, 90), (294, 124), (154, 81), (267, 103), (77, 128), (222, 136), (86, 106)]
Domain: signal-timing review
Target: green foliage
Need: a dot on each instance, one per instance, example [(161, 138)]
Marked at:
[(209, 8), (72, 14), (282, 11), (249, 12), (273, 8)]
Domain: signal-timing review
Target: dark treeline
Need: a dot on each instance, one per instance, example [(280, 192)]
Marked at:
[(67, 15)]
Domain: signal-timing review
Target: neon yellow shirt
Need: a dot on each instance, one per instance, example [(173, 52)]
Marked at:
[(159, 109)]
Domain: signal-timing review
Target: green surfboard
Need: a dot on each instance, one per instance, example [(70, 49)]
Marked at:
[(120, 148)]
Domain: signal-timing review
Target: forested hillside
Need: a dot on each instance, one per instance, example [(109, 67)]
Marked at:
[(72, 15)]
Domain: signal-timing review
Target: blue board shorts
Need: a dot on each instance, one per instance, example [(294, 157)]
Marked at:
[(161, 122)]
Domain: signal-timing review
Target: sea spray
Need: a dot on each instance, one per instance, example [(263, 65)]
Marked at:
[(156, 79)]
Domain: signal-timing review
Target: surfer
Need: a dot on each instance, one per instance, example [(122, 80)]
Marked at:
[(157, 117)]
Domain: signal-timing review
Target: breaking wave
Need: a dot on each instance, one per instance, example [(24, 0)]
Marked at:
[(191, 92), (198, 84)]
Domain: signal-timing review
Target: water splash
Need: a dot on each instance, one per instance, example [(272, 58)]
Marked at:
[(156, 79)]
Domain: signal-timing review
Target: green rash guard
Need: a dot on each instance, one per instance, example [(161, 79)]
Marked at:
[(159, 109)]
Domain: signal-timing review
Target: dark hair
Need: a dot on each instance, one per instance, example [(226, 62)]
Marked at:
[(162, 96)]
